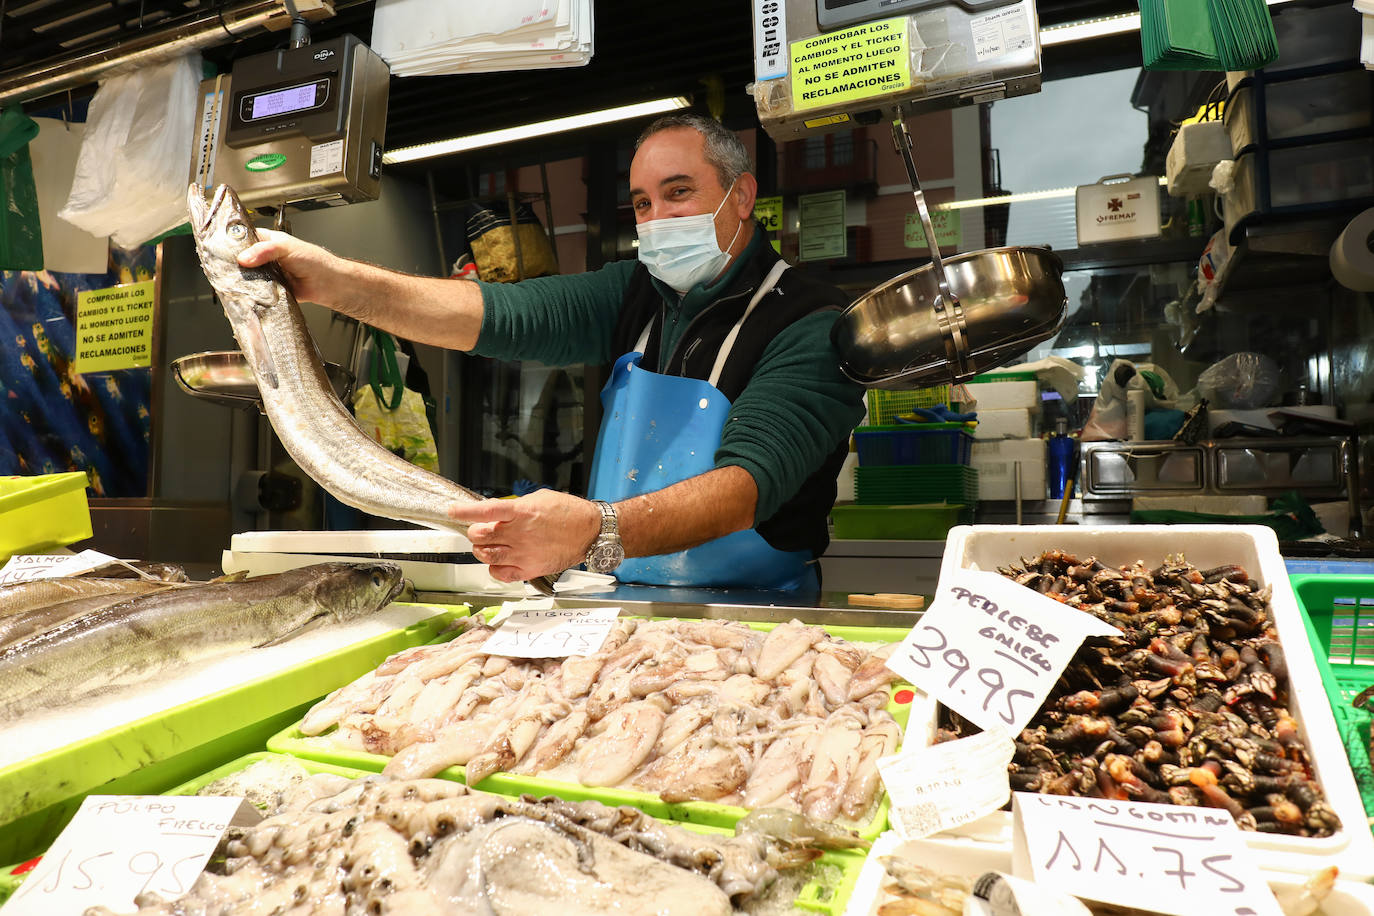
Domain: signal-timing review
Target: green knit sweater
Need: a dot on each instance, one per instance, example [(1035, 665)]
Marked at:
[(795, 409)]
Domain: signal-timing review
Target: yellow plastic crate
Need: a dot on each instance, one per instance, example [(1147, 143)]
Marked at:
[(884, 405), (43, 512)]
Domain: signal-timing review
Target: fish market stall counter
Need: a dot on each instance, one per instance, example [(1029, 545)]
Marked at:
[(751, 605)]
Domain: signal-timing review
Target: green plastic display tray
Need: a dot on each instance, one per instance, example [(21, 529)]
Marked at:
[(292, 741), (38, 796), (828, 893), (912, 522), (1339, 614)]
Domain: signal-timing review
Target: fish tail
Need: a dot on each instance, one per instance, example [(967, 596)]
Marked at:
[(543, 585)]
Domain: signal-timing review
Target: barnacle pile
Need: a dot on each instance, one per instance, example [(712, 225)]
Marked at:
[(1189, 706)]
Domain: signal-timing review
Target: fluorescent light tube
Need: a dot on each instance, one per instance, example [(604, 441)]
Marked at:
[(524, 132), (1014, 198)]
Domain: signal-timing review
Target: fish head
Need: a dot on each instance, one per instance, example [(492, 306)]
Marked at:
[(357, 589), (222, 230), (338, 592)]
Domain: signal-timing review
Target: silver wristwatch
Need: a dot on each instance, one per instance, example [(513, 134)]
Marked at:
[(606, 551)]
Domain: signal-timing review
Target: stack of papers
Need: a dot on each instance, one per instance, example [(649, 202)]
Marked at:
[(425, 38), (1206, 35)]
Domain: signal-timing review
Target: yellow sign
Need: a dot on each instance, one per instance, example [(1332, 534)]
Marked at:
[(768, 210), (114, 328), (852, 64), (947, 225)]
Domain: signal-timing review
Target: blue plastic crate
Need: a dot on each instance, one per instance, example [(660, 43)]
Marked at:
[(926, 443)]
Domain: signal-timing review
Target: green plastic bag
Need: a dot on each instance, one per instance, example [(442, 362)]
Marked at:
[(1289, 515), (21, 236)]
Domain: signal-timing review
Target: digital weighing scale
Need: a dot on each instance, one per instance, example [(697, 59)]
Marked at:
[(828, 65), (301, 126)]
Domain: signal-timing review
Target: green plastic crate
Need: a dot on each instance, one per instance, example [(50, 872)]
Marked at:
[(43, 512), (1339, 614), (884, 405), (294, 742), (922, 483), (930, 522)]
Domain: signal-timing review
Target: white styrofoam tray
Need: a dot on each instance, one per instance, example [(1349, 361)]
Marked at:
[(1255, 547), (400, 540), (959, 856)]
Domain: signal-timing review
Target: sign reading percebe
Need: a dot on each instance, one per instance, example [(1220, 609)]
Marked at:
[(990, 649), (851, 64)]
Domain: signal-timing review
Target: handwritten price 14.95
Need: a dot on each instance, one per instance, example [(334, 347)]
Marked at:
[(936, 655)]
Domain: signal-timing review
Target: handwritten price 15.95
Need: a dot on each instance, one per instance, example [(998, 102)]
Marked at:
[(937, 656)]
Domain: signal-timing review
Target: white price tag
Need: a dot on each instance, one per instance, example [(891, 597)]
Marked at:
[(990, 649), (1181, 860), (942, 786), (552, 633), (24, 567), (770, 39), (119, 846)]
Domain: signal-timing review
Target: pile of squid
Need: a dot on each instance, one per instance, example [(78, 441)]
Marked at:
[(688, 709), (377, 846), (1189, 706)]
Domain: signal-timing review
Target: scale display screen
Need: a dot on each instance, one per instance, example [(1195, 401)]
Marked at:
[(289, 100)]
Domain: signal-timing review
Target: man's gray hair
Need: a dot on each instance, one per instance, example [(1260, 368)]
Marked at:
[(724, 151)]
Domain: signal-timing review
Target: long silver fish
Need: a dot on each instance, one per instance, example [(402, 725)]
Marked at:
[(138, 639), (316, 429)]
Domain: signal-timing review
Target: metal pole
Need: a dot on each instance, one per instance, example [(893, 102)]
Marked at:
[(548, 210), (145, 48)]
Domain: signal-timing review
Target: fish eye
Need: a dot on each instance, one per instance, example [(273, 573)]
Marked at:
[(237, 230), (377, 580)]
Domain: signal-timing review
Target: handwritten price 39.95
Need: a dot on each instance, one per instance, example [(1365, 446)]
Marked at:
[(957, 662)]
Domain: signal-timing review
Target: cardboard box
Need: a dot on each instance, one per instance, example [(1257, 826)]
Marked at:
[(1005, 395), (996, 462), (1008, 423)]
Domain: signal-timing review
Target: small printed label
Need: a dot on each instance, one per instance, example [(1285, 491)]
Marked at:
[(826, 121), (1001, 32), (942, 786), (990, 649), (1182, 860), (120, 846), (552, 633), (326, 158), (770, 39)]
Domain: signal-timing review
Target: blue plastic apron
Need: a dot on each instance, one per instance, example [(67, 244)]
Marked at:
[(658, 430)]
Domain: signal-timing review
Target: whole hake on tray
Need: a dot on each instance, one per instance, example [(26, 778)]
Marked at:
[(141, 637), (316, 429)]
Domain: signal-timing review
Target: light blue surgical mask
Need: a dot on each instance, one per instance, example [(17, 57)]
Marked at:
[(682, 251)]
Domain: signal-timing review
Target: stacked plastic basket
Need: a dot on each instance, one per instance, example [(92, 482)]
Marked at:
[(913, 480)]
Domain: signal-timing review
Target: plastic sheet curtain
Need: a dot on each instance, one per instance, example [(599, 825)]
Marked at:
[(51, 418)]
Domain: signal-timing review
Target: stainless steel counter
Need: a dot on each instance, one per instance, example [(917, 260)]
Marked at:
[(713, 603)]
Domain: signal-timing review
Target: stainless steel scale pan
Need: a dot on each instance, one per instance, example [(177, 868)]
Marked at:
[(949, 320), (224, 377)]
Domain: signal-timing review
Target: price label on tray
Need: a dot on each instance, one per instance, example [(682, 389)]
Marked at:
[(942, 786), (1179, 860), (120, 846), (552, 632), (990, 649)]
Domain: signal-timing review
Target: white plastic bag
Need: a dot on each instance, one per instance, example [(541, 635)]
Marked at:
[(135, 160), (1108, 418)]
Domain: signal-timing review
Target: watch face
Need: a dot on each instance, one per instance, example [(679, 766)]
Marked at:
[(605, 556)]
